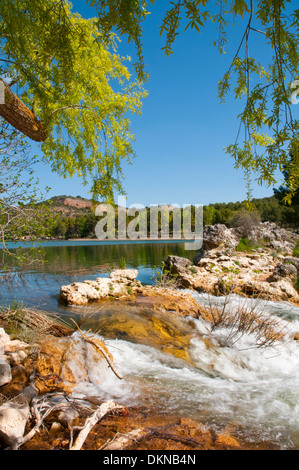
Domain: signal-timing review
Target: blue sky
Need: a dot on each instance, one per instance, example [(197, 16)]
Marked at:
[(183, 129)]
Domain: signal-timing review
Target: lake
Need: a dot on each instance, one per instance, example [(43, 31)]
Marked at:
[(69, 261)]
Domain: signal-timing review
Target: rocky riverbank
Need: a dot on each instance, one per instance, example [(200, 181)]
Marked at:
[(38, 378), (267, 269)]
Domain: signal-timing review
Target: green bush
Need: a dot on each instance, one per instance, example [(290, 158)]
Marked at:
[(296, 249), (244, 245), (296, 284)]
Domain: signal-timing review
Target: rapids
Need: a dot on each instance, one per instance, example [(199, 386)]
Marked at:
[(203, 375)]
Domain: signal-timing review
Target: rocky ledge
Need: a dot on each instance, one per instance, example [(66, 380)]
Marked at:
[(123, 285), (268, 269)]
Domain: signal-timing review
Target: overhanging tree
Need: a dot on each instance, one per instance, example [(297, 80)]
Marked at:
[(72, 93), (60, 63), (20, 215)]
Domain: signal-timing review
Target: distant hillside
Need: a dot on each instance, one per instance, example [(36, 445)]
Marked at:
[(69, 206)]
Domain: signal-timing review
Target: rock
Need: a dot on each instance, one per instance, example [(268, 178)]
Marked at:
[(283, 270), (62, 362), (4, 341), (182, 268), (292, 260), (5, 373), (121, 275), (217, 235), (250, 274), (13, 418), (122, 282), (273, 236)]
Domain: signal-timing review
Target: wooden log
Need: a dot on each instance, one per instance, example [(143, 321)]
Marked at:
[(105, 408), (122, 441), (14, 111)]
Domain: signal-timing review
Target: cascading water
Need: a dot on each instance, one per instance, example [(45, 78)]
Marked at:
[(225, 382)]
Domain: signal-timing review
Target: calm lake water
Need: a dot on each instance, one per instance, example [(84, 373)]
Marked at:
[(69, 261)]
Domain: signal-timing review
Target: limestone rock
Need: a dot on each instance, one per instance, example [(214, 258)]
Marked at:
[(5, 373), (120, 283), (182, 268), (122, 275), (283, 270), (13, 418), (216, 235)]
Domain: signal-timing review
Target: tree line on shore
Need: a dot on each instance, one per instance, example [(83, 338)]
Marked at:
[(270, 209)]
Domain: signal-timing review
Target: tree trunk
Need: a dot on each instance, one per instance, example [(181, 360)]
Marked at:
[(20, 116)]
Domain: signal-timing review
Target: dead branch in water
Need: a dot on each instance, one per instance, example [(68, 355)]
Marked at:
[(99, 349)]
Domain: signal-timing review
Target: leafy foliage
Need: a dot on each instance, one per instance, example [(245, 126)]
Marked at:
[(78, 87)]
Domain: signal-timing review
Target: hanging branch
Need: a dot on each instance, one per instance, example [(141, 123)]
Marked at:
[(14, 111)]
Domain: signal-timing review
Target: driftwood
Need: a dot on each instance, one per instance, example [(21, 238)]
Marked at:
[(104, 409), (30, 410), (14, 111), (122, 441)]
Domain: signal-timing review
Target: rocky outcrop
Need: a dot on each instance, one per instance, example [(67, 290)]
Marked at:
[(215, 236), (121, 283), (273, 237), (269, 271)]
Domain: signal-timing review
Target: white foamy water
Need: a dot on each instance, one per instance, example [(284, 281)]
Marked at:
[(256, 388)]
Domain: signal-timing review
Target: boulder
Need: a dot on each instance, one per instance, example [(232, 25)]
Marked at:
[(14, 417), (121, 282), (5, 373), (219, 235), (283, 270), (182, 268)]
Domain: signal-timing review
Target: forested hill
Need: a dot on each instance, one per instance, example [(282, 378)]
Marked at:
[(76, 219)]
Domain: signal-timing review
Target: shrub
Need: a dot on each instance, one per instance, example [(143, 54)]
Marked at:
[(165, 278), (122, 263), (245, 245), (245, 221), (296, 249), (246, 319)]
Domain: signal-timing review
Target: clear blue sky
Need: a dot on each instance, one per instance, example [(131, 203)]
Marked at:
[(183, 129)]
